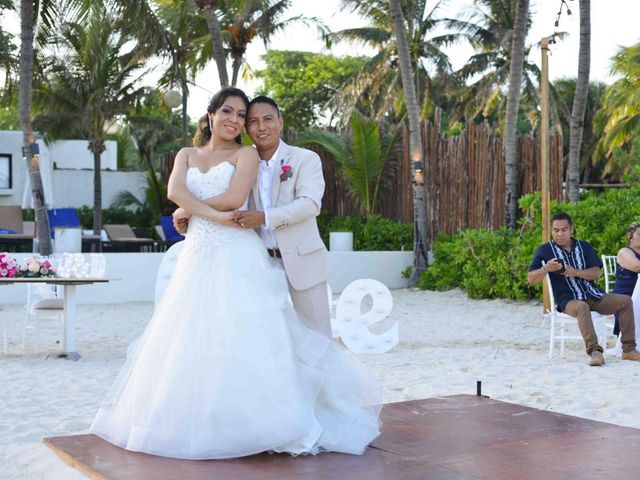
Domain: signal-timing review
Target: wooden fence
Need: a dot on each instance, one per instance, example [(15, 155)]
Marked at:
[(464, 177)]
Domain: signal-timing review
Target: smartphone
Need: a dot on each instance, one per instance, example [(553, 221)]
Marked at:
[(561, 262)]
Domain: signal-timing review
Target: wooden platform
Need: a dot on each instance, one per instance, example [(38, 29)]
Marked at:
[(457, 437)]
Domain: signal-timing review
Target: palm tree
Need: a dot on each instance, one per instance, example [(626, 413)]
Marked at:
[(513, 103), (619, 116), (186, 33), (579, 102), (364, 158), (88, 84), (27, 15), (250, 19), (377, 89), (415, 143), (489, 28), (209, 8), (565, 90)]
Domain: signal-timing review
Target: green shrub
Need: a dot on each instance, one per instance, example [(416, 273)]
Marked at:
[(494, 264), (141, 218), (486, 264), (369, 234)]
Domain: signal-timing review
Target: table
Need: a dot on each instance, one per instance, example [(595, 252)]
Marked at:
[(69, 318)]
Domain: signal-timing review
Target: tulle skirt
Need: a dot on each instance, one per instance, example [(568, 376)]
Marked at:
[(225, 369)]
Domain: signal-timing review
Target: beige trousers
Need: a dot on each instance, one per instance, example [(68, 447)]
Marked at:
[(609, 304), (311, 304)]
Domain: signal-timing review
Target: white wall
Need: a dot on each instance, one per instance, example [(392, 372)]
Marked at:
[(74, 188), (74, 154), (72, 182), (134, 275)]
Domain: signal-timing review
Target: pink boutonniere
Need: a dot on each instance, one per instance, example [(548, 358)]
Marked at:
[(286, 173)]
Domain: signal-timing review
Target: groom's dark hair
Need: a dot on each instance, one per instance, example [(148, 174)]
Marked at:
[(265, 99)]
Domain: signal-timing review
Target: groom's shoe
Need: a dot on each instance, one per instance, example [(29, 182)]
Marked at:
[(632, 355), (597, 359)]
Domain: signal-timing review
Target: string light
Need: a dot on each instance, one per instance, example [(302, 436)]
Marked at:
[(563, 4)]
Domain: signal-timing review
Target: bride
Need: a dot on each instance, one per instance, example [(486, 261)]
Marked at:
[(225, 368)]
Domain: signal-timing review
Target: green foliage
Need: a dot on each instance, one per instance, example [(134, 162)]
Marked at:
[(619, 117), (406, 273), (142, 218), (302, 83), (494, 264), (369, 234), (364, 156), (563, 93), (486, 264), (8, 50), (154, 202)]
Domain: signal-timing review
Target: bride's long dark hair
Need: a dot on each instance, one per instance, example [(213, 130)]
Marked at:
[(203, 130)]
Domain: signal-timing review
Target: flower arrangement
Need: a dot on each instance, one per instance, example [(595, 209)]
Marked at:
[(35, 267), (286, 173), (8, 266)]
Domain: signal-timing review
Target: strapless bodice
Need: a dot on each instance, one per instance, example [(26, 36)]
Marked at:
[(204, 233)]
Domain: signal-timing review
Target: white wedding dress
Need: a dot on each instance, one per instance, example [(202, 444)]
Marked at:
[(225, 369)]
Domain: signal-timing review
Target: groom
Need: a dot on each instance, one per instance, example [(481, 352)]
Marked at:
[(283, 207)]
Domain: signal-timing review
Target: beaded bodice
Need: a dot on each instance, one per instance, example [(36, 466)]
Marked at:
[(204, 233)]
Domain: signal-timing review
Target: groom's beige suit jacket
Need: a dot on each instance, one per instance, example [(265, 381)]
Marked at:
[(295, 203)]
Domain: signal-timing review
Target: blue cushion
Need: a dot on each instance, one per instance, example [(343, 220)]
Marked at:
[(170, 233), (63, 217), (5, 231)]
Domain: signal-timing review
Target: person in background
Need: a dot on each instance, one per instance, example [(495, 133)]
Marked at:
[(573, 266), (627, 266)]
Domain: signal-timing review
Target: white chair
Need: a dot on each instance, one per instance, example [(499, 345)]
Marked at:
[(44, 302), (559, 321), (167, 267), (635, 296), (609, 265)]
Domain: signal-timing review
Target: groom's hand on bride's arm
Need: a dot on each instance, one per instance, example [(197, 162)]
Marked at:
[(249, 219)]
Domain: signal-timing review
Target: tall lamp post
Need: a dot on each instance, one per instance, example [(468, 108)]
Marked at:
[(544, 154)]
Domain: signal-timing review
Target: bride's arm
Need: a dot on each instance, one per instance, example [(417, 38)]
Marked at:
[(178, 192), (241, 183)]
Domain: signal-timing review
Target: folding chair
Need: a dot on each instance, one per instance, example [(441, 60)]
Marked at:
[(559, 321), (609, 265)]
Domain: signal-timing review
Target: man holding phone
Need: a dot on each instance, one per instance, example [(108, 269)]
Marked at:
[(573, 266)]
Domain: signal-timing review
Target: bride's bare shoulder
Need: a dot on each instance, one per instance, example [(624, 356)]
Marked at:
[(247, 153)]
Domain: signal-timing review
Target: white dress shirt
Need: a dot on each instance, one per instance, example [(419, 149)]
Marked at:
[(265, 182)]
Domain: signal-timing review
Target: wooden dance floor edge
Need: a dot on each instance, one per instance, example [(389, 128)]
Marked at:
[(453, 437)]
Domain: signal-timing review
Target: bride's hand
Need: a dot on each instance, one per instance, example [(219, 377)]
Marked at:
[(225, 218), (181, 220)]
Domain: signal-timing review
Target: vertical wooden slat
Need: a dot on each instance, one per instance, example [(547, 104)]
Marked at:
[(464, 175)]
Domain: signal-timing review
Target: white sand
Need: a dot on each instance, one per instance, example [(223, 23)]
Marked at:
[(447, 343)]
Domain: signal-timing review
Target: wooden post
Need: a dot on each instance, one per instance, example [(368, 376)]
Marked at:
[(544, 154)]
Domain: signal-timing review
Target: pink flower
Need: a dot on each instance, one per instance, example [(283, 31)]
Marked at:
[(286, 173), (33, 266), (46, 264)]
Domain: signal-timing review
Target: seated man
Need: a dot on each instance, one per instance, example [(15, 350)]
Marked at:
[(572, 266)]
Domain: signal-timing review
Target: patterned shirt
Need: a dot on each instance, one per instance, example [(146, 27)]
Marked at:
[(581, 256)]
